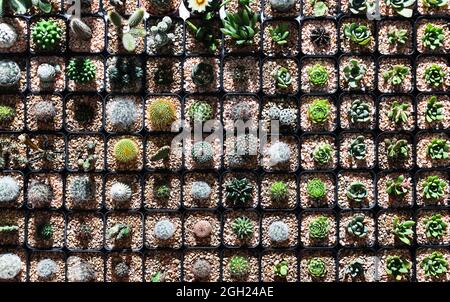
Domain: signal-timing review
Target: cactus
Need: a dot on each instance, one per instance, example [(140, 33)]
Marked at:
[(241, 111), (317, 267), (357, 226), (121, 270), (10, 73), (46, 268), (10, 266), (126, 150), (163, 75), (44, 111), (127, 29), (242, 227), (39, 194), (278, 231), (162, 191), (279, 191), (45, 231), (202, 152), (359, 112), (47, 35), (319, 227), (161, 113), (9, 190), (202, 229), (160, 35), (200, 190), (122, 113), (120, 192), (119, 231), (47, 73), (357, 192), (84, 112), (322, 153), (164, 229), (161, 154), (200, 111), (81, 70), (320, 36), (358, 148), (8, 35), (279, 153), (316, 188), (81, 189), (239, 266), (239, 191), (319, 110), (87, 159), (80, 29), (125, 73), (79, 270), (202, 74), (288, 117), (7, 113), (10, 153), (201, 269)]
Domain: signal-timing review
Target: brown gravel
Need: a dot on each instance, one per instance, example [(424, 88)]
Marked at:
[(345, 104), (422, 238), (97, 261), (385, 106), (381, 264), (350, 240), (55, 181), (175, 159), (368, 81), (421, 177), (290, 166), (420, 273), (35, 84), (18, 103), (189, 64), (95, 203), (212, 257), (76, 147), (308, 8), (271, 48), (308, 47), (21, 28), (150, 239), (306, 218), (327, 257), (384, 163), (252, 70), (231, 239), (290, 219), (175, 100), (421, 109), (420, 31), (12, 218), (191, 219), (348, 46), (306, 123), (370, 260), (134, 181), (175, 64), (96, 44), (330, 198), (93, 8), (133, 219), (251, 177), (266, 183), (57, 221), (113, 164), (307, 145), (385, 65), (385, 200), (175, 48), (347, 161), (168, 262), (330, 86), (345, 178), (425, 161), (422, 64), (56, 124), (61, 24), (212, 179), (134, 262), (94, 221), (268, 262), (71, 124), (22, 254), (268, 80), (97, 84), (138, 102), (152, 181), (386, 237), (18, 176), (385, 27), (127, 8), (253, 263), (229, 101), (57, 257), (57, 143), (271, 13), (195, 47)]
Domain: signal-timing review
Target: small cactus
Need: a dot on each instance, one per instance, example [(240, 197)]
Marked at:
[(122, 113), (10, 73), (202, 229), (161, 153), (241, 111), (7, 113), (202, 152), (161, 113), (39, 194), (47, 35), (87, 157), (126, 150), (162, 191), (9, 189), (44, 111), (119, 231), (128, 31), (279, 153), (47, 73), (160, 35), (201, 269), (80, 29), (200, 190), (164, 229), (81, 189), (120, 192), (8, 35), (278, 231), (45, 230)]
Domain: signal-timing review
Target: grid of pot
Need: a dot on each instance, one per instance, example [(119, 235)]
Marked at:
[(328, 217)]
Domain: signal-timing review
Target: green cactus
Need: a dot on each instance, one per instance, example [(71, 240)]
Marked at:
[(45, 230), (200, 111), (279, 191), (81, 70), (161, 113), (47, 35), (126, 150), (239, 191), (242, 227), (239, 266)]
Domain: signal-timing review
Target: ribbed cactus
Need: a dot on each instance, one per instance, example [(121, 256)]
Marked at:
[(161, 113), (9, 73), (80, 29), (126, 150)]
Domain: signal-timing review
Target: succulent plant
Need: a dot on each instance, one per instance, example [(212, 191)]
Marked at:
[(47, 35), (279, 153), (242, 227), (7, 113), (288, 117), (9, 190), (202, 229), (320, 8), (438, 148), (320, 37), (317, 267), (47, 73), (22, 6), (202, 152), (44, 111), (434, 111), (281, 268), (9, 229), (317, 74), (44, 230), (200, 190), (357, 227), (79, 270), (357, 192), (163, 76), (201, 269), (164, 229), (128, 30), (125, 73), (87, 157), (120, 192), (202, 74), (322, 154), (319, 227), (397, 187), (316, 188), (160, 35), (396, 74), (39, 194), (354, 73), (240, 74), (121, 270), (399, 112), (434, 264), (279, 191), (80, 29), (434, 75), (278, 231), (398, 267), (397, 36), (122, 113), (200, 111), (402, 7), (434, 188), (239, 266), (357, 33), (358, 148), (319, 110), (204, 33), (119, 231), (280, 33), (126, 150), (282, 5), (161, 154), (403, 229), (161, 113), (8, 35), (283, 78), (10, 153), (81, 189), (239, 191), (359, 111), (162, 191), (46, 268), (396, 148), (84, 231), (10, 73), (434, 3), (360, 6), (81, 70), (433, 36), (435, 226), (10, 266), (241, 26)]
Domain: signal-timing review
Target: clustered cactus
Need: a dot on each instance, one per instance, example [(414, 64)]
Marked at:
[(81, 70), (160, 35), (128, 30), (47, 35)]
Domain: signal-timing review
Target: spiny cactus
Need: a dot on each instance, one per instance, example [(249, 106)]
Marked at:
[(121, 270), (45, 230), (46, 268), (200, 111), (288, 117), (357, 192), (80, 29), (279, 153), (44, 111), (200, 190), (122, 113), (161, 154), (39, 194), (120, 192), (161, 113), (10, 73), (239, 191), (201, 269), (239, 266), (81, 189), (87, 157), (160, 35), (202, 152), (202, 74), (162, 191), (319, 227), (10, 266), (47, 35), (81, 70), (9, 189), (242, 227), (119, 231), (278, 231), (359, 111), (202, 229), (8, 35), (125, 73), (279, 191), (127, 29), (164, 229), (358, 148), (126, 150)]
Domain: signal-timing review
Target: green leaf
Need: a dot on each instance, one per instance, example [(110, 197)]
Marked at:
[(44, 6), (20, 6), (320, 9)]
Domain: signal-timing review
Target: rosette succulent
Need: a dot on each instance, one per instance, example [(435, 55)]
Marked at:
[(318, 74), (438, 149), (322, 153), (357, 192), (402, 7), (319, 110), (359, 111), (241, 26), (397, 187), (354, 73), (434, 111), (435, 226), (434, 188), (435, 3), (434, 75), (358, 148), (280, 33), (397, 36), (283, 77), (358, 33), (360, 6), (316, 188), (433, 36), (319, 227), (434, 265), (396, 74), (398, 267), (355, 268), (402, 230), (357, 227), (317, 267)]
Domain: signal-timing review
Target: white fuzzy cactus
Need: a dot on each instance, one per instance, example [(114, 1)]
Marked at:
[(8, 35), (47, 72), (120, 192), (9, 73), (159, 35)]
